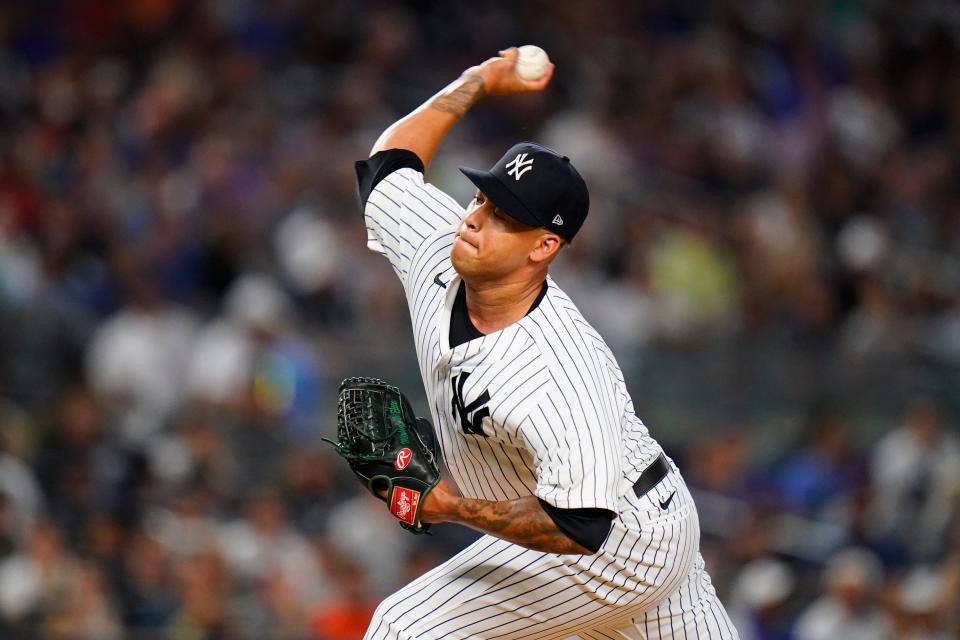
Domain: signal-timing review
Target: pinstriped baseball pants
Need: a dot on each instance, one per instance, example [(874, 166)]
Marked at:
[(647, 582)]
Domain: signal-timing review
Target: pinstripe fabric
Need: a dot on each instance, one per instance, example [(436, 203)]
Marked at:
[(538, 408), (648, 581)]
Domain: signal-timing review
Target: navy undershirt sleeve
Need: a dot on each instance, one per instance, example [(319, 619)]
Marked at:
[(588, 527), (381, 164)]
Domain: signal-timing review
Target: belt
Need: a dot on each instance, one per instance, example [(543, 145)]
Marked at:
[(654, 473)]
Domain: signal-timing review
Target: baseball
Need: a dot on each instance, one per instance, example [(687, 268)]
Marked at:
[(532, 62)]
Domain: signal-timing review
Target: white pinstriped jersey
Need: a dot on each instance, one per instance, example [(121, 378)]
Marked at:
[(539, 407)]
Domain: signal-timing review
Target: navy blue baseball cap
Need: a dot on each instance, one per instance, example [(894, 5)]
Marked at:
[(536, 186)]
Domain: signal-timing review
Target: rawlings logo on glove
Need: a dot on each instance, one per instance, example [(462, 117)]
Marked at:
[(403, 459), (404, 504), (390, 450)]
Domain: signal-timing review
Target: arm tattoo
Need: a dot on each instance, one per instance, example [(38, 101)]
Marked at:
[(522, 521), (462, 98)]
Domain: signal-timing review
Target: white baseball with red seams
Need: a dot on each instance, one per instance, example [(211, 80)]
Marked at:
[(532, 62)]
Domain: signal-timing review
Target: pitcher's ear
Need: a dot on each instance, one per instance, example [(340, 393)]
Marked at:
[(547, 247)]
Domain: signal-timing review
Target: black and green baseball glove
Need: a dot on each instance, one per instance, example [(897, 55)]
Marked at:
[(388, 448)]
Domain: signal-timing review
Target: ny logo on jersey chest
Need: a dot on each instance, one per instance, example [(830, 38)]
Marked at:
[(478, 408)]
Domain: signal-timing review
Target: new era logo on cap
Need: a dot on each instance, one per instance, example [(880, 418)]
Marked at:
[(553, 196)]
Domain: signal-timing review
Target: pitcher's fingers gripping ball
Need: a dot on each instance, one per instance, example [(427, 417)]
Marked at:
[(388, 448)]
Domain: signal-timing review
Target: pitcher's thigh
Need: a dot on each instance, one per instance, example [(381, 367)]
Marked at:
[(491, 589), (692, 611), (495, 589)]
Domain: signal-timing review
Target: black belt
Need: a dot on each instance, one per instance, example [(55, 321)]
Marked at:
[(654, 473)]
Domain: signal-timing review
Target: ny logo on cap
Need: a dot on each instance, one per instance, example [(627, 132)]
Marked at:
[(520, 166)]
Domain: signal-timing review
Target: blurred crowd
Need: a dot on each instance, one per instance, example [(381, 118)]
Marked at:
[(183, 280)]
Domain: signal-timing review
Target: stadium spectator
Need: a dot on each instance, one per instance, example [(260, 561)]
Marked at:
[(758, 600), (916, 474), (849, 607)]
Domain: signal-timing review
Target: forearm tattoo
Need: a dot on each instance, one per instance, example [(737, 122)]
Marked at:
[(462, 98), (522, 521)]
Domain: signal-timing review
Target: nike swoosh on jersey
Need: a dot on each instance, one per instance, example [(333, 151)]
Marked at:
[(666, 503), (438, 281)]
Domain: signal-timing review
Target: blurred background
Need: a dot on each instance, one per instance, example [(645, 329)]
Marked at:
[(773, 253)]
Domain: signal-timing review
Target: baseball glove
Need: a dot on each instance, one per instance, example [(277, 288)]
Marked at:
[(387, 447)]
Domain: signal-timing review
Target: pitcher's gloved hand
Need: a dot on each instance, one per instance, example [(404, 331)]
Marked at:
[(390, 450)]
